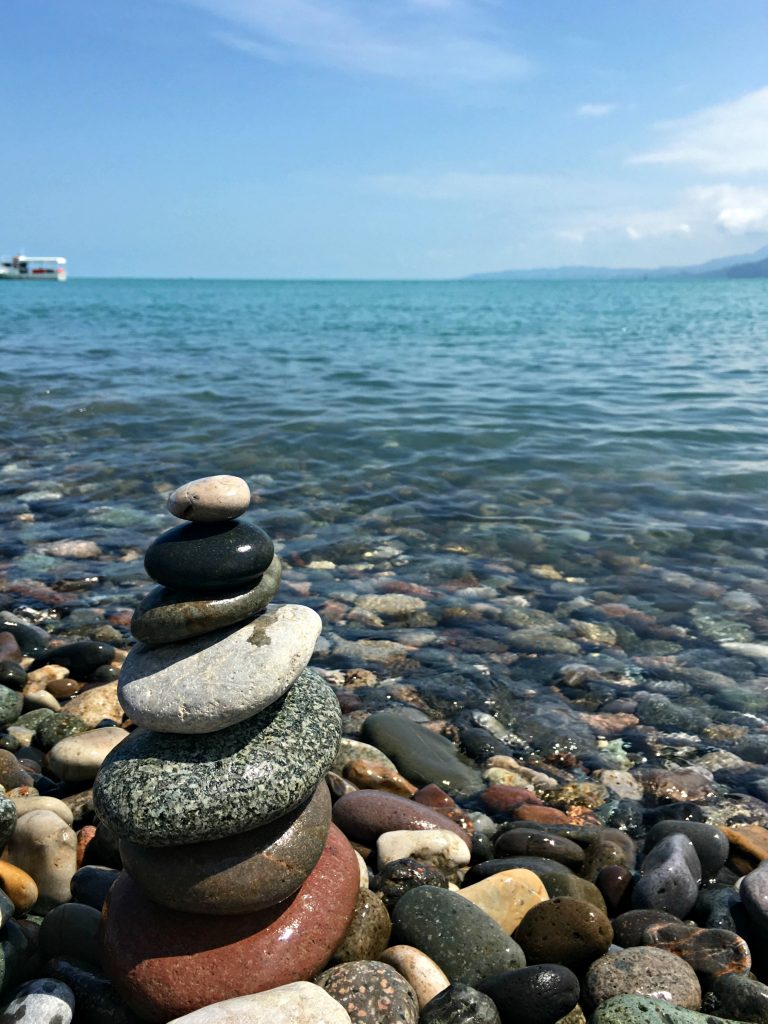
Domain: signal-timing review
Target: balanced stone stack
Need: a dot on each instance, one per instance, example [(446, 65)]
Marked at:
[(235, 881)]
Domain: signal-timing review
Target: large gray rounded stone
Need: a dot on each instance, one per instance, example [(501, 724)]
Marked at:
[(165, 789), (217, 680), (238, 874), (169, 616)]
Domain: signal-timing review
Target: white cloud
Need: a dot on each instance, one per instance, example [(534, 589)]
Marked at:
[(730, 138), (737, 211), (661, 229), (595, 109), (423, 40)]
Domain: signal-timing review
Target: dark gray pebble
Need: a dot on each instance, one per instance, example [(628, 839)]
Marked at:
[(539, 866), (12, 675), (741, 998), (531, 842), (90, 884), (533, 995), (82, 657), (400, 876), (460, 1004), (628, 928), (709, 842), (669, 877)]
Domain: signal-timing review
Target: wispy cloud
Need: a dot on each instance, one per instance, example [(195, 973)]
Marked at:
[(737, 211), (730, 138), (595, 109), (423, 40)]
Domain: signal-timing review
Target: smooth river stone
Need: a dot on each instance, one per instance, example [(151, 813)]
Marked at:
[(462, 939), (208, 558), (301, 1002), (507, 896), (213, 681), (168, 616), (365, 815), (638, 1009), (237, 875), (46, 849), (210, 499), (422, 756), (161, 789), (165, 963), (78, 758), (371, 992)]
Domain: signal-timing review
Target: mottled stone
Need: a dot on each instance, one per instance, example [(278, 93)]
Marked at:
[(19, 886), (210, 499), (301, 1002), (58, 727), (45, 848), (533, 995), (365, 775), (632, 1009), (710, 844), (642, 971), (368, 932), (561, 884), (441, 848), (238, 874), (460, 1004), (165, 963), (532, 842), (11, 703), (564, 931), (356, 750), (422, 974), (169, 616), (8, 818), (214, 681), (371, 992), (363, 816), (422, 756), (629, 928), (81, 658), (209, 558), (78, 758), (70, 927), (463, 940), (710, 951), (400, 876), (680, 784), (669, 877), (42, 1001), (158, 789), (507, 896), (96, 704)]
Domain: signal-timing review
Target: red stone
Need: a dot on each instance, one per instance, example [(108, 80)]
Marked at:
[(165, 963), (432, 795), (85, 836), (364, 815), (544, 815), (500, 798)]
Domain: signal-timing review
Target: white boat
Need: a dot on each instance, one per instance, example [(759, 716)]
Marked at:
[(34, 268)]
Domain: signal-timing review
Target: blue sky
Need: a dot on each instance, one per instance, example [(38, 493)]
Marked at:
[(382, 138)]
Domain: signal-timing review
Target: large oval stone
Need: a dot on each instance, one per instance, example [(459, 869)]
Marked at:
[(208, 558), (214, 681), (168, 616), (366, 814), (237, 875), (301, 1002), (461, 938), (165, 963), (161, 789)]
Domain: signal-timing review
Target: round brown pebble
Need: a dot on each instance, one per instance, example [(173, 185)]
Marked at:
[(564, 931)]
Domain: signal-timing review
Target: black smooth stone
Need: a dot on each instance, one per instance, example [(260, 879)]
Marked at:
[(539, 866), (531, 842), (31, 639), (482, 848), (12, 675), (104, 674), (400, 876), (709, 842), (460, 1004), (715, 905), (81, 657), (628, 928), (533, 995), (95, 998), (209, 558), (90, 884), (682, 810)]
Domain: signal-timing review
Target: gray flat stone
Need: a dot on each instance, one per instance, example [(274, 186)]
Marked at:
[(215, 681), (169, 616), (164, 789)]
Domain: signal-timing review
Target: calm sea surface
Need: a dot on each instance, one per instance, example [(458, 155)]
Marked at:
[(560, 447)]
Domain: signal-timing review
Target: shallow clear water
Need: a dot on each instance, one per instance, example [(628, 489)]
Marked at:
[(447, 435)]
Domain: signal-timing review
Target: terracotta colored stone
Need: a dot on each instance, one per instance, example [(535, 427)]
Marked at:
[(544, 815), (367, 775), (432, 796), (237, 875), (20, 887), (500, 799), (363, 816), (507, 896), (165, 963), (84, 836), (751, 839)]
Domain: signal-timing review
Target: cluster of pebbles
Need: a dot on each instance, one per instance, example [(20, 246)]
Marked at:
[(223, 834)]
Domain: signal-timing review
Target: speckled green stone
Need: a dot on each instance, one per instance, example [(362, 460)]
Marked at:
[(164, 789), (7, 819), (53, 728), (646, 1010), (11, 704)]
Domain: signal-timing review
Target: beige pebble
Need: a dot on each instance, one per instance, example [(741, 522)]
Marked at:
[(78, 758), (91, 706), (27, 804), (364, 880), (210, 499), (507, 896), (422, 973), (73, 549), (46, 848), (39, 678), (41, 699), (298, 1003), (440, 847)]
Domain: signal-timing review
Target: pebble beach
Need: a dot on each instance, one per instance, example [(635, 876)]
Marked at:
[(453, 746)]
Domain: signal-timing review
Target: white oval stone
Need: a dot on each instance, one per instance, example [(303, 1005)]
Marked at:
[(78, 758), (298, 1003), (214, 681), (27, 804), (421, 972), (440, 847), (210, 499), (46, 848)]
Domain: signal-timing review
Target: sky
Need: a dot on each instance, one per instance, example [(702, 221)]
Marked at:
[(382, 138)]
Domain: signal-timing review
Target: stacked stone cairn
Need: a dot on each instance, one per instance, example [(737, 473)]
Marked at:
[(235, 881)]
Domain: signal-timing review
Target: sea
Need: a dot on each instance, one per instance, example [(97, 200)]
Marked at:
[(552, 472)]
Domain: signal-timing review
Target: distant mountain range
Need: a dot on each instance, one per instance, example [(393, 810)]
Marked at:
[(748, 265)]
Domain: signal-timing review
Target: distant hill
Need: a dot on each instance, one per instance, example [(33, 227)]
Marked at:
[(747, 265)]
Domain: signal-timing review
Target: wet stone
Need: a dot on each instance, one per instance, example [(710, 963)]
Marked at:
[(12, 774), (209, 558), (629, 928), (363, 816), (710, 843), (564, 931), (158, 789), (542, 994), (463, 940), (57, 727), (167, 616), (644, 971), (12, 675), (711, 952), (82, 657), (371, 993), (615, 885), (560, 884), (369, 931), (422, 974), (531, 842), (68, 927), (741, 998), (11, 703), (538, 865), (300, 1002), (714, 907), (669, 877), (507, 896), (460, 1004), (640, 1009), (400, 876)]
